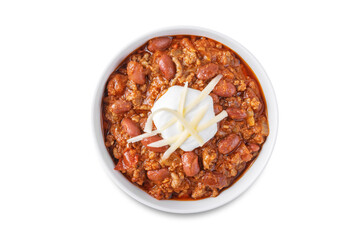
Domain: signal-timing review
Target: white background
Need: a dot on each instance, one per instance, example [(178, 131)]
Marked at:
[(52, 185)]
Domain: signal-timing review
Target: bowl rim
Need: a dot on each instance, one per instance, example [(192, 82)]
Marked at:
[(236, 189)]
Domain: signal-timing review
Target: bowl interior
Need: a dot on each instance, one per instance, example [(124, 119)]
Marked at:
[(251, 174)]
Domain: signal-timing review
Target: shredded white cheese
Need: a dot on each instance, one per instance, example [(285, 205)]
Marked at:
[(164, 142), (183, 99), (206, 91), (150, 134), (183, 136), (187, 128), (179, 118), (174, 146), (214, 120), (177, 140), (173, 139), (142, 136), (182, 103)]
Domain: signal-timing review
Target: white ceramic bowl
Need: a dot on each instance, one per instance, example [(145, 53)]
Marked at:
[(237, 188)]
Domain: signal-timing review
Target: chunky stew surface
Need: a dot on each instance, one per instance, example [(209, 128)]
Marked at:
[(143, 77)]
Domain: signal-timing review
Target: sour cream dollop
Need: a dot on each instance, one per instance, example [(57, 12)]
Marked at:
[(171, 100)]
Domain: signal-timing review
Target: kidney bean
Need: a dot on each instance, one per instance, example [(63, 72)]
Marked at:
[(207, 71), (236, 113), (225, 89), (158, 175), (120, 106), (249, 93), (119, 165), (214, 180), (130, 160), (214, 97), (217, 108), (228, 144), (136, 72), (116, 84), (246, 157), (149, 140), (253, 147), (167, 66), (160, 43), (244, 152), (190, 164), (186, 42), (131, 127)]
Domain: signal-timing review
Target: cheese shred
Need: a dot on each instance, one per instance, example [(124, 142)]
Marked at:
[(182, 103), (206, 91)]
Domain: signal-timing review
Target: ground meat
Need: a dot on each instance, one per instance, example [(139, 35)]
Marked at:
[(209, 157), (143, 77)]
